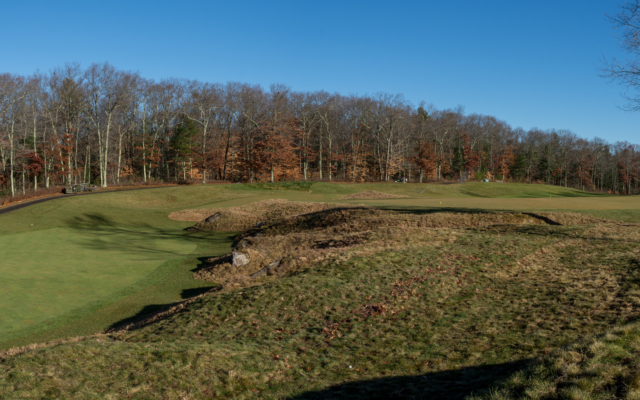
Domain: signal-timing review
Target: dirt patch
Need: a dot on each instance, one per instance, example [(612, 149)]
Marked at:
[(373, 195)]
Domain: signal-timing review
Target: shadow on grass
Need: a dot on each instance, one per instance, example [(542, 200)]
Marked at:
[(148, 313), (146, 239), (460, 210), (139, 235), (452, 384), (188, 293), (422, 210), (204, 262)]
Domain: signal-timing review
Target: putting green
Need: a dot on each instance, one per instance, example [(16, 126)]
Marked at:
[(48, 273)]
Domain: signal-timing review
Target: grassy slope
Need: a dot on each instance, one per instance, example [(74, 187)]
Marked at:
[(97, 236), (254, 337), (604, 368), (468, 305), (68, 268)]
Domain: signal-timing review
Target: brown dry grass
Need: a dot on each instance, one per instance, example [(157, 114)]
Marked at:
[(247, 216), (570, 218), (373, 195), (30, 195), (342, 233), (415, 320)]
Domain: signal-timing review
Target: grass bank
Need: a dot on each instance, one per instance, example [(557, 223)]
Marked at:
[(447, 321)]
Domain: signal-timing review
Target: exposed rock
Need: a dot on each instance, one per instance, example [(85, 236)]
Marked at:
[(213, 218), (242, 244), (260, 224), (267, 269), (239, 259)]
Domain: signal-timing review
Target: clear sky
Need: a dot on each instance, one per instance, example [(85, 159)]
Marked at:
[(530, 63)]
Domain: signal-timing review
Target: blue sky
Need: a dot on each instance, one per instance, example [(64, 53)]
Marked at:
[(532, 64)]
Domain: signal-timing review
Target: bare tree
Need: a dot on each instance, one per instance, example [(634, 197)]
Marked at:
[(107, 89), (206, 101), (11, 93), (627, 72)]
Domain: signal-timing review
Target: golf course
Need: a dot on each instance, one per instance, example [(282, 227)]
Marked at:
[(467, 290)]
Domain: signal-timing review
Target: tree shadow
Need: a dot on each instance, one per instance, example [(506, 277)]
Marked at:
[(188, 293), (465, 210), (143, 238), (100, 228), (154, 312), (204, 261), (424, 210), (451, 384)]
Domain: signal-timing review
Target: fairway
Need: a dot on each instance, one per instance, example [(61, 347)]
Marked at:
[(50, 272)]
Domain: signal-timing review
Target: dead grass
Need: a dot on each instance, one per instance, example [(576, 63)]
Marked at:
[(339, 234), (30, 195), (373, 195), (438, 302), (570, 218), (441, 306), (605, 368), (234, 219)]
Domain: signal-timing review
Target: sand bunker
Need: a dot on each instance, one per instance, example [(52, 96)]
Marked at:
[(372, 195)]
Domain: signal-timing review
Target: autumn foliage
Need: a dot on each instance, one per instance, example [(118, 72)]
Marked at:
[(106, 126)]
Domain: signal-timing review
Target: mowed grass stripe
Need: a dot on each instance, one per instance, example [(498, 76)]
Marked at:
[(50, 272)]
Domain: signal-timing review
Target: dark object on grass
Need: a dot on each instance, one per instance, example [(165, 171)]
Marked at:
[(213, 218), (81, 187), (266, 270)]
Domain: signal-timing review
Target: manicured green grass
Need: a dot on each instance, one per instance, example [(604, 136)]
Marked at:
[(48, 273), (77, 265), (304, 186), (467, 189)]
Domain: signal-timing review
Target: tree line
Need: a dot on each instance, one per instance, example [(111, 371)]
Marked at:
[(108, 126)]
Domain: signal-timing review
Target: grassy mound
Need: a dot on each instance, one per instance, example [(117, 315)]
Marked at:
[(233, 219), (442, 321), (429, 302), (284, 246), (372, 195)]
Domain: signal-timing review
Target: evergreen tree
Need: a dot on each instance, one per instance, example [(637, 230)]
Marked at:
[(183, 143), (519, 167)]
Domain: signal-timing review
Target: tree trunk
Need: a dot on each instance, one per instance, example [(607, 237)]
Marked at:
[(12, 158), (119, 158)]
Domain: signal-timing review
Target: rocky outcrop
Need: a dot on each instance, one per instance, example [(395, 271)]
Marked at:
[(239, 259)]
